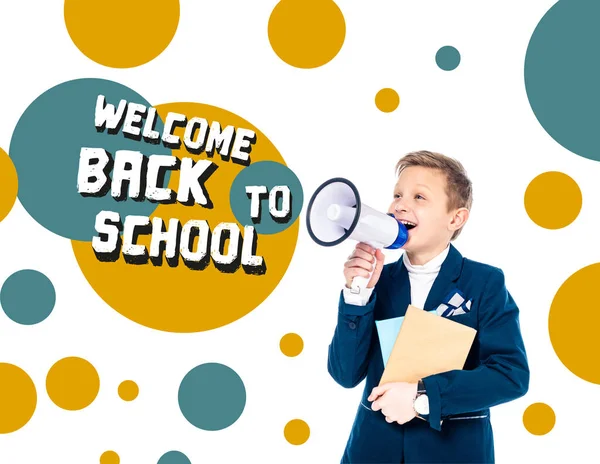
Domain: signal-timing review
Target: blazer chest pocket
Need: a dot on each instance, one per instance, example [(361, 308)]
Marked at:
[(469, 319)]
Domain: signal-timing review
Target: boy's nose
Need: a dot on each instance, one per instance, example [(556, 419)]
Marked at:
[(400, 207)]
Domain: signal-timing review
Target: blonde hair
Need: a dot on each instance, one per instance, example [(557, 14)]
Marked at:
[(459, 188)]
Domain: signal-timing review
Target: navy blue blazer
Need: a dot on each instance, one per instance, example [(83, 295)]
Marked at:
[(496, 371)]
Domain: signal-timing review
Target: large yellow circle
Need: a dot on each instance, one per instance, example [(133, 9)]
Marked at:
[(178, 299), (121, 33), (539, 419), (307, 33), (9, 184), (553, 200), (72, 383), (574, 323), (18, 398), (296, 432)]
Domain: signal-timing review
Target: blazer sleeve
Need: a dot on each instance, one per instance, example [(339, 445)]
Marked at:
[(503, 373), (348, 356)]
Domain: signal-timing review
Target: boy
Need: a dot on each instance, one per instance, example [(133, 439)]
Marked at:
[(432, 196)]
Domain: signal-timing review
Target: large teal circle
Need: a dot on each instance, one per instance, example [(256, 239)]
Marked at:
[(562, 75), (45, 149), (212, 396), (27, 297), (269, 174)]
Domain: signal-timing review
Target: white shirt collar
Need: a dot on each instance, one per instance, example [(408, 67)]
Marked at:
[(433, 266)]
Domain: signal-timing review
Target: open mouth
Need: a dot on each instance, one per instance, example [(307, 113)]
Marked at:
[(409, 225)]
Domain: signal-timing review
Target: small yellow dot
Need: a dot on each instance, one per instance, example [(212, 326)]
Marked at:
[(72, 383), (553, 200), (387, 100), (539, 419), (110, 457), (296, 432), (291, 344), (128, 390)]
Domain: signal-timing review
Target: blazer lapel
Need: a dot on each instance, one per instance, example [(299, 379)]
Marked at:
[(400, 297), (445, 280)]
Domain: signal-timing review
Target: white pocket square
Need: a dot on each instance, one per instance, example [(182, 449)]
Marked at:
[(455, 306)]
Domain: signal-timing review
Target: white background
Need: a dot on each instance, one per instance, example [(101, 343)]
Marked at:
[(325, 124)]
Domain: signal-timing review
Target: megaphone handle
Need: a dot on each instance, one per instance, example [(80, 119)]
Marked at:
[(360, 282)]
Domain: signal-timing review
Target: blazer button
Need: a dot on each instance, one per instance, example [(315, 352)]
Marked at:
[(352, 325)]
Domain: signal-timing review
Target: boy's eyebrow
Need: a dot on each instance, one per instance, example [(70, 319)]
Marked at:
[(418, 185)]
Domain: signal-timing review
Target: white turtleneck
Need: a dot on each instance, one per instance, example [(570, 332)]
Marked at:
[(421, 280), (422, 277)]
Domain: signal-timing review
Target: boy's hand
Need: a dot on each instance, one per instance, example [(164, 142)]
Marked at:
[(360, 263), (395, 399)]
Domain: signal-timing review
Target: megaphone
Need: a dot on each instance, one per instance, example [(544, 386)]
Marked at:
[(335, 213)]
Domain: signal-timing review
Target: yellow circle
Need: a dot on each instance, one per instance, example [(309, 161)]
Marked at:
[(18, 398), (128, 390), (574, 323), (179, 299), (72, 383), (553, 200), (121, 33), (296, 432), (306, 33), (387, 100), (9, 184), (291, 344), (539, 419), (110, 457)]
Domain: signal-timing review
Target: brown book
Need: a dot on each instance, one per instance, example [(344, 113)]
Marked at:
[(427, 344)]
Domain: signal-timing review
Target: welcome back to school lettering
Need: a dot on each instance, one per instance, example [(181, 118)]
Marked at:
[(141, 178)]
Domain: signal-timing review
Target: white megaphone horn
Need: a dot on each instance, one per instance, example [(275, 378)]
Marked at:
[(335, 213)]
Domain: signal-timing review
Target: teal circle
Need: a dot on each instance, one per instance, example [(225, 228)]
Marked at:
[(212, 396), (27, 297), (269, 174), (562, 75), (174, 457), (45, 149), (447, 58)]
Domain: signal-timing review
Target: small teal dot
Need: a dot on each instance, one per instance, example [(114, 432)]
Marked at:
[(212, 396), (447, 58), (27, 297), (174, 457)]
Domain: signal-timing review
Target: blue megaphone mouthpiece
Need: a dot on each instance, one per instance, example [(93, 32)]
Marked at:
[(401, 238)]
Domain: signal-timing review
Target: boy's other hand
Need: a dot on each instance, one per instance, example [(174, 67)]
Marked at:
[(361, 263), (395, 400)]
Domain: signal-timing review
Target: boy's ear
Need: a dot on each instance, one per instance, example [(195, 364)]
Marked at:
[(460, 217)]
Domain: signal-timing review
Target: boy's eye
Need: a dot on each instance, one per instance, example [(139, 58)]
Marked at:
[(419, 197), (396, 195)]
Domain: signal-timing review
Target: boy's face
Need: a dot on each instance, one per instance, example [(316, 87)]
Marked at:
[(420, 198)]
